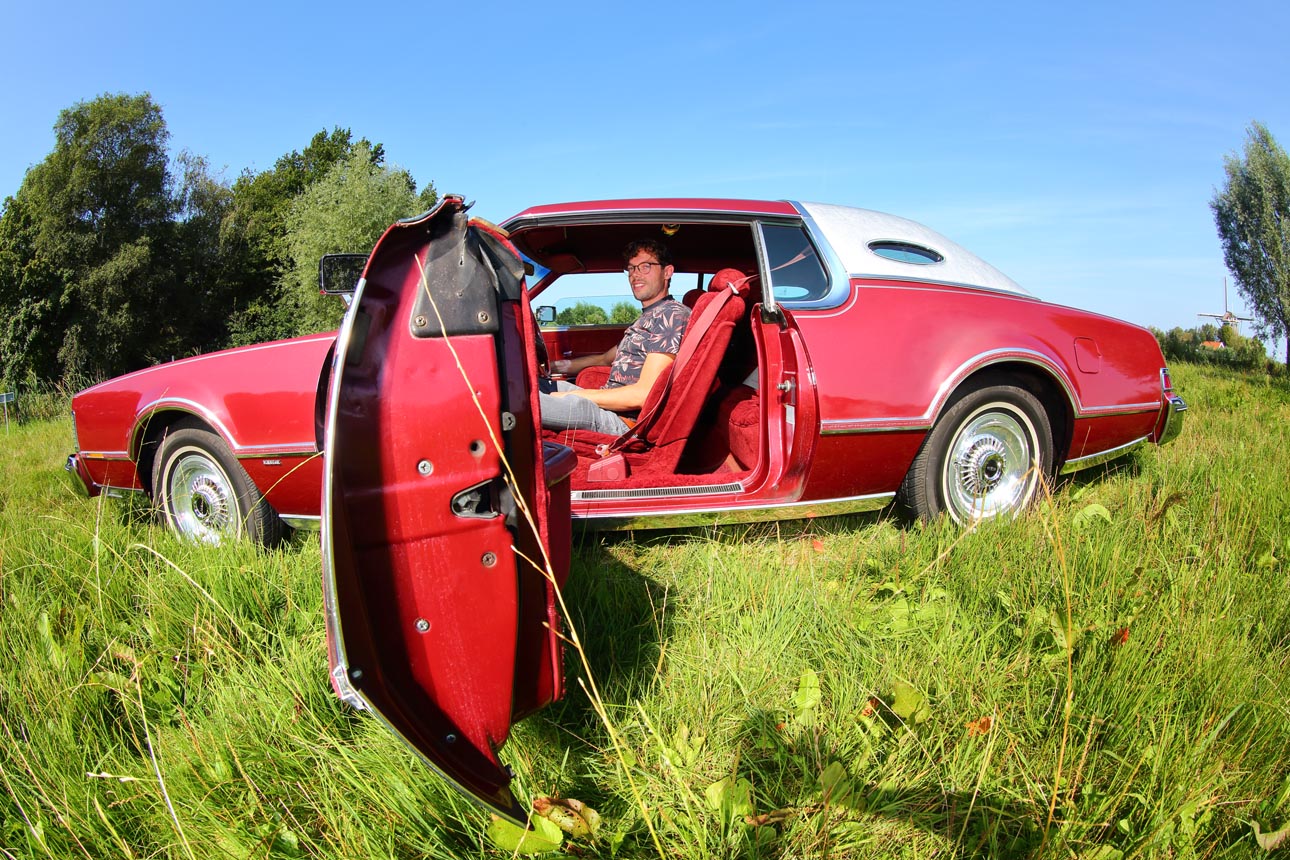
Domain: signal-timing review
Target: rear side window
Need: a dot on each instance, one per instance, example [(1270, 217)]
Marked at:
[(905, 252), (796, 273)]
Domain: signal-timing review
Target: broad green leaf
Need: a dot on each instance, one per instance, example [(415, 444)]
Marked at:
[(908, 703), (1089, 513), (808, 692), (835, 784), (716, 793), (548, 830), (114, 681), (287, 843), (1063, 638), (730, 798), (685, 747), (53, 653), (508, 836), (899, 610), (890, 588)]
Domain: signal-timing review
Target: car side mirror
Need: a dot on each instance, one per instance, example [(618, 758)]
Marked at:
[(546, 314), (339, 274)]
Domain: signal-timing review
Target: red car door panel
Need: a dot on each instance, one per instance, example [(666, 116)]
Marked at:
[(435, 496)]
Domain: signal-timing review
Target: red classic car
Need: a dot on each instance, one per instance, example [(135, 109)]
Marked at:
[(883, 362), (835, 360)]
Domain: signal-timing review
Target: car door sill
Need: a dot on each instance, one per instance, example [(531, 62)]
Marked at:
[(671, 518), (656, 492)]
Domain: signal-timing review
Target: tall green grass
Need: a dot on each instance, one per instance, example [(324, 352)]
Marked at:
[(1105, 677)]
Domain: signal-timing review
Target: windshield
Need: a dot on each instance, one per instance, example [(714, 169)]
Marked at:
[(601, 298)]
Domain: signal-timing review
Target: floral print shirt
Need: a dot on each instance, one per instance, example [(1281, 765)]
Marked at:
[(657, 329)]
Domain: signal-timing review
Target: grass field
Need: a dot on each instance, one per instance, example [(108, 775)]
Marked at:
[(1106, 677)]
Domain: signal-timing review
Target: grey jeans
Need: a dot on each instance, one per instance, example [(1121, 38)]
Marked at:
[(576, 413)]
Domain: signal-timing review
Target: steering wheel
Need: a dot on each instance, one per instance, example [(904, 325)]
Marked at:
[(540, 351)]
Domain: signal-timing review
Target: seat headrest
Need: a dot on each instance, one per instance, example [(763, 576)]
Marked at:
[(730, 279)]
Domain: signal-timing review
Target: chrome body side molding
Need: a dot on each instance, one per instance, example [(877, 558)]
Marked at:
[(665, 519), (1102, 457), (656, 492)]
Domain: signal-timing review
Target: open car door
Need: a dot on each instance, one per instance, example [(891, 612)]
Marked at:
[(445, 517)]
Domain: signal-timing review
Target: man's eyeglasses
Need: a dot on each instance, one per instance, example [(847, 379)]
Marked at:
[(643, 268)]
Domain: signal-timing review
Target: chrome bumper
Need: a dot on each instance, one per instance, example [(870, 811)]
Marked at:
[(77, 479), (1172, 420)]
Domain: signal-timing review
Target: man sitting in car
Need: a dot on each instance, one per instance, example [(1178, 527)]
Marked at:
[(646, 352)]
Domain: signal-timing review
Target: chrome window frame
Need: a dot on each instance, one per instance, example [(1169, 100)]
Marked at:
[(838, 277)]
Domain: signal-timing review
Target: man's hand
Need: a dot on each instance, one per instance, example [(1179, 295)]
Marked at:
[(571, 366), (628, 397)]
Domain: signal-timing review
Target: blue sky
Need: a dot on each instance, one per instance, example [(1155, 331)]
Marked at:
[(1074, 146)]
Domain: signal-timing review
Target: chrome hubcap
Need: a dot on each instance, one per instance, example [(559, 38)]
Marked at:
[(989, 471), (982, 466), (201, 499)]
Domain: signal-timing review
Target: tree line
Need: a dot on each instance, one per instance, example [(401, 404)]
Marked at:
[(590, 313), (116, 254), (1219, 346)]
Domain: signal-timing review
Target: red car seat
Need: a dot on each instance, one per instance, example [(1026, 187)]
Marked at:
[(653, 448)]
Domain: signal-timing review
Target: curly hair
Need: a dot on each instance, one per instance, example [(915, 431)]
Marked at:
[(648, 246)]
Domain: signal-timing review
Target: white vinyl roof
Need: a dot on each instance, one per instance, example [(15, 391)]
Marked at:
[(851, 231)]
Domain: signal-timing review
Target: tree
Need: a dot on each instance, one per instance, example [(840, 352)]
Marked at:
[(261, 200), (256, 227), (254, 231), (624, 312), (1252, 213), (83, 275), (582, 313), (112, 258), (31, 297), (346, 210), (210, 263), (1218, 346)]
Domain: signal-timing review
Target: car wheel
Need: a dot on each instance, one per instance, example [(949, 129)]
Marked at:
[(984, 457), (205, 496)]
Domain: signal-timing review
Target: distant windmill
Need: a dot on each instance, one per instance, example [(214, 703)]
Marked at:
[(1227, 317)]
